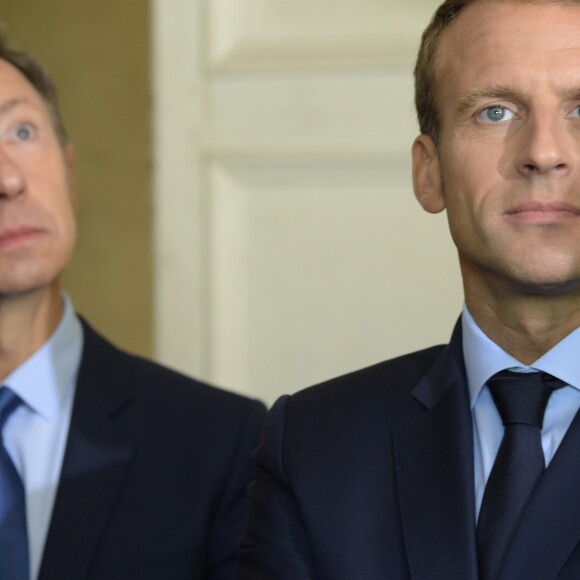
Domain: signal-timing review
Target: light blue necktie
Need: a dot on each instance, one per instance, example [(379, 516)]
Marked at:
[(13, 535)]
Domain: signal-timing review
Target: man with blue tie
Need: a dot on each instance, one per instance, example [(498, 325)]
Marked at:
[(458, 461), (111, 467)]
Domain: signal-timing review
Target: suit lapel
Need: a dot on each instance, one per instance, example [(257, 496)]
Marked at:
[(550, 526), (94, 465), (434, 460)]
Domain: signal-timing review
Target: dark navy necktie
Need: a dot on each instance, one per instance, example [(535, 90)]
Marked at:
[(521, 400), (13, 534)]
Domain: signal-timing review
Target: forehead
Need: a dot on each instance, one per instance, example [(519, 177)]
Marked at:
[(495, 41), (16, 88)]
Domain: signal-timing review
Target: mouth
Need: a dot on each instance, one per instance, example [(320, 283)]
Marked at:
[(543, 213), (17, 236)]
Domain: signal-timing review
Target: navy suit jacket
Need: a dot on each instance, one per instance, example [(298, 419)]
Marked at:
[(154, 474), (370, 476)]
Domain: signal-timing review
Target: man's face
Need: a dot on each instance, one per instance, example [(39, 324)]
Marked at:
[(37, 197), (507, 169)]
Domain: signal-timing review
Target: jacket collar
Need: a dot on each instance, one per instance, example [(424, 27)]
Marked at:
[(434, 469), (95, 463)]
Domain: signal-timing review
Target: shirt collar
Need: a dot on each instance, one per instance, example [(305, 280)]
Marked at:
[(484, 358), (44, 379)]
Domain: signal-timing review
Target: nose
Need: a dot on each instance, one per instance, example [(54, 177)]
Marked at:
[(546, 148), (12, 181)]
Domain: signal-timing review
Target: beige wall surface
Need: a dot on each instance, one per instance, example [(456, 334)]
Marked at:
[(98, 54), (289, 247)]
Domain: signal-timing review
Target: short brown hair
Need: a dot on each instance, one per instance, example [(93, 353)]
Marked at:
[(427, 66), (38, 77)]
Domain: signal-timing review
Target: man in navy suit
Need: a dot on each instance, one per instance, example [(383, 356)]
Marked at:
[(124, 469), (382, 473)]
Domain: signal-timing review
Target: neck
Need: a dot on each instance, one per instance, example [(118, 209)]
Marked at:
[(26, 322), (524, 325)]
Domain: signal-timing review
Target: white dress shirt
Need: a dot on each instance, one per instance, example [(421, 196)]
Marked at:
[(484, 358), (35, 435)]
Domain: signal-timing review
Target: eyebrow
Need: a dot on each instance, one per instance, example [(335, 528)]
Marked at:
[(572, 94), (11, 104), (469, 100)]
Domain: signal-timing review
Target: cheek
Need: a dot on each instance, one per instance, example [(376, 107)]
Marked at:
[(467, 180), (68, 222), (61, 220), (56, 196), (465, 203)]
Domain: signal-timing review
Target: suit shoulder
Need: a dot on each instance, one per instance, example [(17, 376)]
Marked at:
[(336, 419), (147, 378), (397, 376)]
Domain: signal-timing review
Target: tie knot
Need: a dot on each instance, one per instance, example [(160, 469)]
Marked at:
[(521, 398), (9, 401)]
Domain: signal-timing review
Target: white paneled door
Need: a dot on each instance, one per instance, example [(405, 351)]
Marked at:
[(289, 245)]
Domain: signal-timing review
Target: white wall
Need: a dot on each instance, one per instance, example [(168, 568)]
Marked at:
[(289, 246)]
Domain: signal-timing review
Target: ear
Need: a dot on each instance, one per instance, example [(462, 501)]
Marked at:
[(69, 160), (427, 175)]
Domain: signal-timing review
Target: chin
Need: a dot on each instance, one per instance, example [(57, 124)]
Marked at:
[(548, 272), (549, 286), (30, 282)]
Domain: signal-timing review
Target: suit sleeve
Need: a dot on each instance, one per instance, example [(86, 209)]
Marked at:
[(230, 515), (275, 544)]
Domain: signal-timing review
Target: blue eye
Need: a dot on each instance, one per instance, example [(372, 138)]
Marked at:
[(496, 114), (24, 132)]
